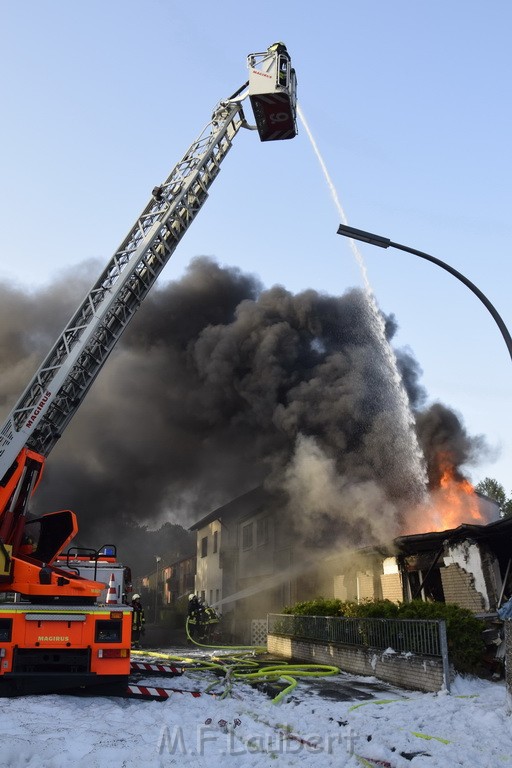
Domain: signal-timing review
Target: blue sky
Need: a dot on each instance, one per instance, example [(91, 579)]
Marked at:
[(409, 103)]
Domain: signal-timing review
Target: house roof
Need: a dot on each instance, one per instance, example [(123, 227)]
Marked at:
[(246, 504), (498, 534)]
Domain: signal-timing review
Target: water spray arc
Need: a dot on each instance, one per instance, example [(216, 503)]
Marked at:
[(410, 461)]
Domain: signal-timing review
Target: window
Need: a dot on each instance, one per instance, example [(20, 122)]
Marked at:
[(211, 596), (203, 595), (215, 541), (247, 536), (262, 531), (204, 546), (217, 595)]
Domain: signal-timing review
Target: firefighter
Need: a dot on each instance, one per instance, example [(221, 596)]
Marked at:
[(193, 604), (202, 619), (284, 61), (194, 615), (138, 621), (211, 621), (278, 48)]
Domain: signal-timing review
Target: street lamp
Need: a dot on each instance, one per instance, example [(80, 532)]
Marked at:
[(156, 587), (385, 242)]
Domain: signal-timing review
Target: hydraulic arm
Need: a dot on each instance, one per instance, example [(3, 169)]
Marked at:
[(59, 635), (63, 379)]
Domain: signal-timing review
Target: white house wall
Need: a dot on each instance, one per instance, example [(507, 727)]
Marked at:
[(209, 572), (257, 551), (467, 556)]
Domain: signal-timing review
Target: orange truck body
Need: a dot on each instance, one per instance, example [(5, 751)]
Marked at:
[(44, 648), (61, 633)]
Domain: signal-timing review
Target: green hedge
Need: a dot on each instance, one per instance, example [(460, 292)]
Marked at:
[(464, 631)]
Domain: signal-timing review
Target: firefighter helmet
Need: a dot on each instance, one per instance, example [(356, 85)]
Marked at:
[(135, 597)]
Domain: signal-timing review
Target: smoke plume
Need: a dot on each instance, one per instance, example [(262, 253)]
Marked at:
[(219, 385)]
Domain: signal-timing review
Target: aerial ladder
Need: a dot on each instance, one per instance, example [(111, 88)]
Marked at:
[(56, 636)]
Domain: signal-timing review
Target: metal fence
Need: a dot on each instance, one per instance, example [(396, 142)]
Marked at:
[(426, 637)]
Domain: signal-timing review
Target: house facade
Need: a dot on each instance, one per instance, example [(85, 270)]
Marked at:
[(469, 566), (250, 563), (245, 561), (166, 586), (178, 580)]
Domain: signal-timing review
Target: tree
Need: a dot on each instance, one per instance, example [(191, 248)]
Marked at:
[(494, 490)]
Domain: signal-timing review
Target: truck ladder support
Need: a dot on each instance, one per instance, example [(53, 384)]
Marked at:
[(63, 379)]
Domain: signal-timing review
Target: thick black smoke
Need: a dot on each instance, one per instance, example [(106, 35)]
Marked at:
[(219, 385), (446, 443)]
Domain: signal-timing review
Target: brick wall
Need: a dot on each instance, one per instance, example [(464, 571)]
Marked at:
[(366, 586), (417, 673), (391, 585), (340, 589), (458, 586)]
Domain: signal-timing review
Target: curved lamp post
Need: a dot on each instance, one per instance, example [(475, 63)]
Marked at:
[(385, 242)]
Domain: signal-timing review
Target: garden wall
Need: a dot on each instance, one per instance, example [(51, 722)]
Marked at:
[(417, 673)]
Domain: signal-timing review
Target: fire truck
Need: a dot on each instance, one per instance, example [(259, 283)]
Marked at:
[(61, 633), (100, 565)]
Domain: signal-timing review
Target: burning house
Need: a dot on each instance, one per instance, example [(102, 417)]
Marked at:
[(251, 560), (235, 386), (468, 565)]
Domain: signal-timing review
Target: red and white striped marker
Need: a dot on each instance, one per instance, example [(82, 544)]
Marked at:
[(152, 692), (144, 666), (112, 592)]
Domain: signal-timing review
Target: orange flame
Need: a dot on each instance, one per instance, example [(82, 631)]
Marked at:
[(452, 504)]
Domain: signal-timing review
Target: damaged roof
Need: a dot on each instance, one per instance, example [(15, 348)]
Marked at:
[(498, 534)]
